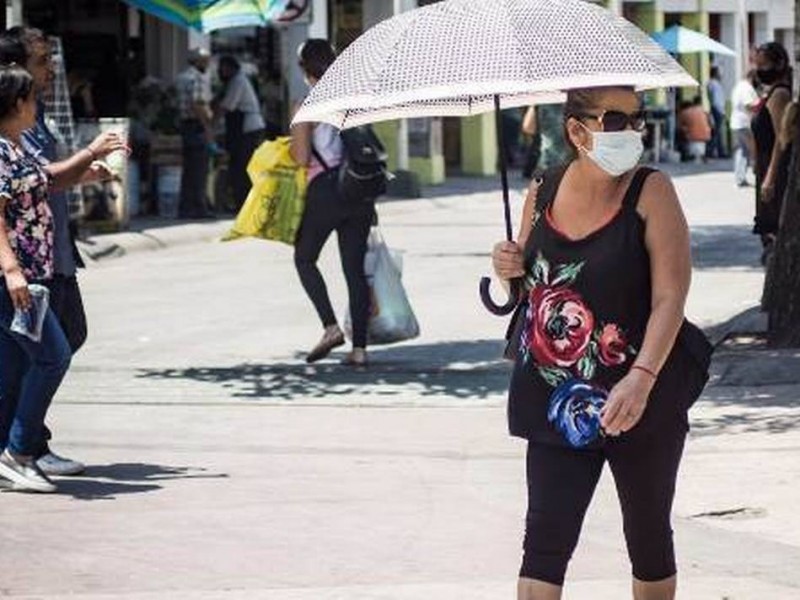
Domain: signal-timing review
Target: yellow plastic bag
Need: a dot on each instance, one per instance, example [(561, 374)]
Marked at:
[(274, 207)]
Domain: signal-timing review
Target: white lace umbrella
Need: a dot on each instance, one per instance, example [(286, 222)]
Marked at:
[(464, 57)]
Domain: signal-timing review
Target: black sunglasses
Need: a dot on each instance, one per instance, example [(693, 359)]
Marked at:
[(616, 120)]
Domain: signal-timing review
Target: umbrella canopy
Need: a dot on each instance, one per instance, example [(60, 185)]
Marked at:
[(209, 15), (463, 57), (680, 40), (452, 58)]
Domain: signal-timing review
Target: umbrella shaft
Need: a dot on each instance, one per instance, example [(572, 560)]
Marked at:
[(501, 148)]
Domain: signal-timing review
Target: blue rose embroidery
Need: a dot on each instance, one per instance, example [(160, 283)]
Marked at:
[(575, 411)]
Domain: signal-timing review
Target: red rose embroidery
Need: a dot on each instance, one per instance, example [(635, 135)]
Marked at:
[(560, 328), (612, 346)]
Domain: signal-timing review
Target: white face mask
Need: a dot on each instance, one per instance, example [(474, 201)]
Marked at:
[(616, 151)]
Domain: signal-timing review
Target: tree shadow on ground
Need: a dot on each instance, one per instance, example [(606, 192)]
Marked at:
[(106, 482), (462, 370), (725, 247), (751, 389)]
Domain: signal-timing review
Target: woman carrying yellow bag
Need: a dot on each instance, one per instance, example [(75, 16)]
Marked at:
[(274, 207), (327, 210)]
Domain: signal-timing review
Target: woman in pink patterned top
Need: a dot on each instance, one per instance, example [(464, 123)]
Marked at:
[(30, 371)]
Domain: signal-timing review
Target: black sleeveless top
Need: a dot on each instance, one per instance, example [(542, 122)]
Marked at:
[(764, 135), (584, 320)]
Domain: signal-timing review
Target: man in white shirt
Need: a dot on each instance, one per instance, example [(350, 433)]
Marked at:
[(744, 100), (716, 98), (244, 124)]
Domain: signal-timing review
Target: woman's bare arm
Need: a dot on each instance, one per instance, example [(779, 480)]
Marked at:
[(300, 145), (667, 241)]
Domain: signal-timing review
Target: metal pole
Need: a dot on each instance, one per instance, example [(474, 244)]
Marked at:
[(402, 124), (501, 149)]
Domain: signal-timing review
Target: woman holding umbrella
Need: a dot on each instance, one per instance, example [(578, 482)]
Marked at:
[(604, 250)]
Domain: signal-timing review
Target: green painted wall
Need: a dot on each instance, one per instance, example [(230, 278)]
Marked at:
[(430, 171), (479, 145)]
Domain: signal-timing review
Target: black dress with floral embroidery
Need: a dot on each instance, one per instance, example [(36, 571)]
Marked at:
[(585, 315)]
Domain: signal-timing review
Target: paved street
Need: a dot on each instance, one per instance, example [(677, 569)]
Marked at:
[(222, 467)]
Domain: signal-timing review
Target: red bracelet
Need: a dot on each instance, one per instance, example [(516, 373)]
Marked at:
[(652, 374)]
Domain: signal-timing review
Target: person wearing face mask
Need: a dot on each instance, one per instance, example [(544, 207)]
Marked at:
[(603, 250), (774, 72), (320, 148)]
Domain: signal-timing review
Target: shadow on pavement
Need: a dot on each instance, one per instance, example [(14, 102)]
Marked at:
[(106, 482), (464, 370), (726, 247), (771, 410)]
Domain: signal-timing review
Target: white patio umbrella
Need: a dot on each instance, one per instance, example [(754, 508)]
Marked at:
[(464, 57), (681, 40)]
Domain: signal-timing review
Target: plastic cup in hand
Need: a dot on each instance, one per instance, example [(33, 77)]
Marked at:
[(29, 322), (116, 162)]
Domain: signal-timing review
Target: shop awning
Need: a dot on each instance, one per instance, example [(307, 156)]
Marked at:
[(209, 15)]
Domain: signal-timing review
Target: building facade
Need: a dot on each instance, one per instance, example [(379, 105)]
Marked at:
[(118, 45)]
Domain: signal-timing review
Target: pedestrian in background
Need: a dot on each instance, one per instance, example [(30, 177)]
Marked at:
[(197, 136), (716, 100), (744, 102), (588, 221), (30, 372), (30, 48), (695, 130), (774, 73), (244, 124), (533, 150), (319, 147)]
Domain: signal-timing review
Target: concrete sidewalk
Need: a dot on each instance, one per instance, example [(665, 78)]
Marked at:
[(224, 467)]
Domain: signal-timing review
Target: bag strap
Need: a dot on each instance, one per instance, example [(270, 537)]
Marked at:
[(550, 180), (631, 199), (319, 158)]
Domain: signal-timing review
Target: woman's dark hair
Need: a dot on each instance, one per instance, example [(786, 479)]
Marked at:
[(229, 62), (316, 55), (15, 84), (582, 100), (777, 55), (16, 44)]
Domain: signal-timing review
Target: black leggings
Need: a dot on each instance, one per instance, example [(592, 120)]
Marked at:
[(561, 482), (325, 213)]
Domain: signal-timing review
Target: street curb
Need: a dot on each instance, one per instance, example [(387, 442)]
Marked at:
[(151, 236)]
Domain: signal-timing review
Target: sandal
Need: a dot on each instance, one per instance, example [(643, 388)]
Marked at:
[(325, 345), (355, 359)]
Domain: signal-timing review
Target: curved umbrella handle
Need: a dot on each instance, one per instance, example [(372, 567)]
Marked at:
[(497, 309)]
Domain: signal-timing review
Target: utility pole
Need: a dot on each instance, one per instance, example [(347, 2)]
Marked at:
[(402, 124)]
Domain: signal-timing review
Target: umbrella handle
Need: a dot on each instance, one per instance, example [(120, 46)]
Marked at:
[(498, 309)]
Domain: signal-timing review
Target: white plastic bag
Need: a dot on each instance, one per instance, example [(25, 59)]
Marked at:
[(391, 318), (29, 322)]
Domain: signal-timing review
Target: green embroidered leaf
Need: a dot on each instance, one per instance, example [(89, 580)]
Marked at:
[(632, 351), (541, 270), (587, 367), (566, 274), (553, 375)]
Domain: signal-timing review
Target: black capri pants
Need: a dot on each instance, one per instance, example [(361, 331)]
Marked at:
[(561, 482)]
